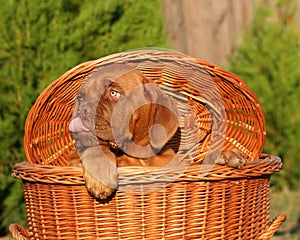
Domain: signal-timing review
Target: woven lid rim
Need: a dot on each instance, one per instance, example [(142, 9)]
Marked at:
[(266, 165)]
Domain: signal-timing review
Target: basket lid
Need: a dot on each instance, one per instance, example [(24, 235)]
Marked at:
[(216, 106)]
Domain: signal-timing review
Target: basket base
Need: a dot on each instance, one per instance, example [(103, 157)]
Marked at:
[(20, 233)]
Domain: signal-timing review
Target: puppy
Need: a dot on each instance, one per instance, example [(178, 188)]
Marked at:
[(120, 119), (123, 119)]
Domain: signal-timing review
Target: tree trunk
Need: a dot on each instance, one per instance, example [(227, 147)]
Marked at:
[(207, 29)]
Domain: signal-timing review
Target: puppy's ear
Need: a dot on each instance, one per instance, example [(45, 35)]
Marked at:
[(152, 116), (165, 121), (156, 122)]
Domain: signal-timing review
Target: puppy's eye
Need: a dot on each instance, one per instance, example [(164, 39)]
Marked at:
[(115, 94)]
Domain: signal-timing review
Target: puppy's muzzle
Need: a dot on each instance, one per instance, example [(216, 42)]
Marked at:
[(82, 135)]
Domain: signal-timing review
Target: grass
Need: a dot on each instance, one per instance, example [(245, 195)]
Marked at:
[(287, 202)]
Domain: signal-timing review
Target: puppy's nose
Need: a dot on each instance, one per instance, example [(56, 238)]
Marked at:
[(85, 110)]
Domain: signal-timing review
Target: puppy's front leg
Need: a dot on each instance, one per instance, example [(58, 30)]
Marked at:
[(99, 171)]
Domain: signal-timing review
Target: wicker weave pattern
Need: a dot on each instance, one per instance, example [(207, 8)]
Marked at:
[(47, 140), (59, 207)]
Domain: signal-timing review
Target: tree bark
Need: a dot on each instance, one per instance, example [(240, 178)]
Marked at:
[(207, 29)]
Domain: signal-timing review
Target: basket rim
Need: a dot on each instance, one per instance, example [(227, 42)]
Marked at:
[(49, 174)]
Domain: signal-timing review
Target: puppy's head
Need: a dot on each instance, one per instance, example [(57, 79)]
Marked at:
[(82, 124), (124, 108)]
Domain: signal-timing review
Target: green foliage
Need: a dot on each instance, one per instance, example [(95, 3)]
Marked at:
[(268, 60), (12, 205), (39, 41), (286, 202)]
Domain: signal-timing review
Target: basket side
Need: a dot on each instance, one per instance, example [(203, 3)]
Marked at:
[(225, 204), (183, 210)]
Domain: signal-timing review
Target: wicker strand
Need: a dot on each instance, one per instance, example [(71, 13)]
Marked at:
[(18, 232), (274, 226)]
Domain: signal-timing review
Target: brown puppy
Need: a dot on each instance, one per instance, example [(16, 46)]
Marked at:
[(121, 118)]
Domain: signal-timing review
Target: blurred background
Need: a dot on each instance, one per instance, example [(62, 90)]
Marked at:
[(258, 40)]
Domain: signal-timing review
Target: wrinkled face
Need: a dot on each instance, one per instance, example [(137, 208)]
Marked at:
[(122, 110), (104, 110)]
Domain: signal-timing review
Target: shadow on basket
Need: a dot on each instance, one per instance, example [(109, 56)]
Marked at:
[(178, 138)]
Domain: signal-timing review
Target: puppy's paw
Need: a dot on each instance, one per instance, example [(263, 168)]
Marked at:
[(102, 184), (232, 158), (99, 171)]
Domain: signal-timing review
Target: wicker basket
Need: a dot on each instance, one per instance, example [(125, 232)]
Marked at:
[(203, 202)]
